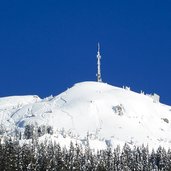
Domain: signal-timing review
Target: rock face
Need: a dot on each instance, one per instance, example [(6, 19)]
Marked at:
[(113, 114)]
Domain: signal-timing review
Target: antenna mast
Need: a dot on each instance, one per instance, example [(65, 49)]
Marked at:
[(99, 79)]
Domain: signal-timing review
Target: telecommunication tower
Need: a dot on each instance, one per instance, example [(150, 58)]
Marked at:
[(99, 78)]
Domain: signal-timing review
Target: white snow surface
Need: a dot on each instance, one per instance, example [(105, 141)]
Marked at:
[(91, 108)]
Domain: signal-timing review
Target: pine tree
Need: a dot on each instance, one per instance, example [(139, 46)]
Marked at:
[(168, 164), (126, 158), (58, 157), (10, 160), (77, 158), (161, 158), (28, 132), (2, 156), (145, 158), (101, 161), (116, 159), (109, 159)]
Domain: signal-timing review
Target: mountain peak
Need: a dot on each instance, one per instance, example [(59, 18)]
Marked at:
[(117, 115)]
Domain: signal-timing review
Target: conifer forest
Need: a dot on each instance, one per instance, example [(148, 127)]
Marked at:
[(50, 156)]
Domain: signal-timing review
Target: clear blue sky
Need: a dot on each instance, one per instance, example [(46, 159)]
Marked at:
[(47, 46)]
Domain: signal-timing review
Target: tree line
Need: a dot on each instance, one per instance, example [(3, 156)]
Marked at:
[(48, 156)]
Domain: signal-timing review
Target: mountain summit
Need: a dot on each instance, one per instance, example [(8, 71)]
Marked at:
[(111, 114)]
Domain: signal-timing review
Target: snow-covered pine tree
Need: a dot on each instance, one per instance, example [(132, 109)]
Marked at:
[(28, 132)]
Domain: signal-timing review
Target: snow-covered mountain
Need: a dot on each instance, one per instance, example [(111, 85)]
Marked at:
[(112, 115)]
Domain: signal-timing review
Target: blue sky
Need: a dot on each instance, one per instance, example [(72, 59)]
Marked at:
[(47, 46)]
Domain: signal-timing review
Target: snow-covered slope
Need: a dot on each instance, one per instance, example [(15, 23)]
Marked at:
[(9, 106), (112, 114)]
